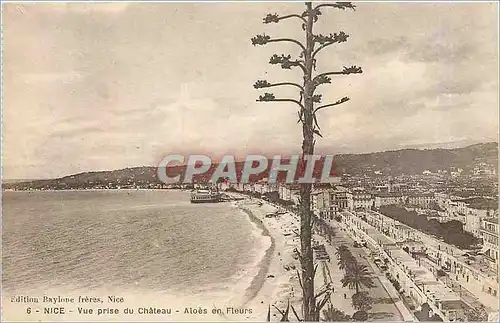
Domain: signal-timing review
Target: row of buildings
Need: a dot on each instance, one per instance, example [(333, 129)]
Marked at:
[(478, 214), (425, 260), (418, 285)]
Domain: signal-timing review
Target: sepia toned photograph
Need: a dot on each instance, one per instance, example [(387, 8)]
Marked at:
[(249, 161)]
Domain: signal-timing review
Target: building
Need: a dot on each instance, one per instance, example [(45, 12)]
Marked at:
[(318, 201), (415, 280), (329, 201), (489, 234), (421, 199), (361, 199), (473, 219), (472, 272), (341, 198), (476, 209), (484, 169), (285, 192), (442, 200), (381, 199)]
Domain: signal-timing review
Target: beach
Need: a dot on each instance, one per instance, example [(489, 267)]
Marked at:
[(274, 285), (283, 286)]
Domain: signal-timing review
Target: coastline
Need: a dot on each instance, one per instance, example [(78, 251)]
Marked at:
[(100, 189), (275, 284), (270, 279), (259, 279)]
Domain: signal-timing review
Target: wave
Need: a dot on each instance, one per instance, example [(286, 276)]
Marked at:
[(262, 259)]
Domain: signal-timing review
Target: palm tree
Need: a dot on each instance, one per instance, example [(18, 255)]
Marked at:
[(345, 257), (341, 250), (356, 276), (332, 314), (346, 261)]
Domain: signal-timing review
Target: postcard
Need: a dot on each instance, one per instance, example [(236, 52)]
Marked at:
[(249, 161)]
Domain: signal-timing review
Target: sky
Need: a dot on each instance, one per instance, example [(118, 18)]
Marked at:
[(106, 86)]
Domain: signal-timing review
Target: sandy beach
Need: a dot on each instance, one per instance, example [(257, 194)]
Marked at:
[(274, 285), (283, 285)]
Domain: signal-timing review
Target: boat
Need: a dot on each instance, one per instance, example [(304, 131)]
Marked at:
[(205, 196)]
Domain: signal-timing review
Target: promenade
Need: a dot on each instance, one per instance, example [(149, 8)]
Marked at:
[(470, 280), (385, 307)]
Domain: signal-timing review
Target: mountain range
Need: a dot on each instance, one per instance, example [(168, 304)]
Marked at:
[(396, 162)]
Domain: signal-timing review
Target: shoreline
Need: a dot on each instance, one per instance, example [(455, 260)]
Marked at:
[(267, 280), (276, 283), (100, 189), (259, 279)]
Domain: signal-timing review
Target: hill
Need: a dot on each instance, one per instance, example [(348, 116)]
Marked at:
[(415, 161), (397, 162)]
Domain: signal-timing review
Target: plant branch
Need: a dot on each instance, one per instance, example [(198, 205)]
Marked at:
[(288, 83), (315, 269), (326, 290), (294, 16), (322, 303), (269, 97), (320, 48), (344, 99), (331, 39), (337, 5), (276, 18), (286, 62), (265, 39), (316, 122), (346, 71), (277, 40), (296, 315), (300, 280), (260, 84), (280, 311)]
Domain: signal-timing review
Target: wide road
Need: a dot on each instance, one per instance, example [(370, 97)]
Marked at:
[(384, 308)]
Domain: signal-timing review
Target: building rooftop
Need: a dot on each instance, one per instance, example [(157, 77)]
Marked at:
[(388, 194), (422, 194), (482, 203), (479, 263), (435, 289), (493, 220), (442, 293)]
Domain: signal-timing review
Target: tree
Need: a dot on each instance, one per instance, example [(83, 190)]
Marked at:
[(344, 256), (396, 285), (362, 301), (308, 108), (436, 318), (424, 313), (332, 314), (356, 276), (341, 251), (476, 314), (360, 316), (346, 260)]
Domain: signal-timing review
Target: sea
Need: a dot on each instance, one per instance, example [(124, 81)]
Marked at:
[(153, 248)]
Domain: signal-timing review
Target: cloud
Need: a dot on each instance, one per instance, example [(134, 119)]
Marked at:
[(130, 82), (82, 8), (48, 77)]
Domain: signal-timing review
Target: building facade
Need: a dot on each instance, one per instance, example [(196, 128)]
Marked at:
[(489, 234)]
